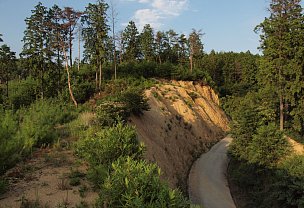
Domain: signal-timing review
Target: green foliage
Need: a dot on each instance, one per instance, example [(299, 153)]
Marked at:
[(289, 186), (135, 102), (10, 144), (268, 146), (40, 120), (121, 106), (22, 93), (137, 184), (110, 144)]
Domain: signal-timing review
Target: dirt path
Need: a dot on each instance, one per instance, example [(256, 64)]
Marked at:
[(208, 184)]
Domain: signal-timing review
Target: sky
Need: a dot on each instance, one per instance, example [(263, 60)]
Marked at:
[(228, 25)]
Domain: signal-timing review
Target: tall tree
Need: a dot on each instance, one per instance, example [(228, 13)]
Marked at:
[(182, 53), (113, 17), (131, 42), (196, 47), (95, 35), (147, 43), (281, 39), (7, 64), (35, 37), (70, 18)]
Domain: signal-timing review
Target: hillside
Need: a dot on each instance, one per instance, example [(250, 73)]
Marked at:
[(184, 121)]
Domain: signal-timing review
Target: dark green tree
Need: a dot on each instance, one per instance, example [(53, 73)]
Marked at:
[(281, 39), (131, 42), (196, 47), (147, 43), (7, 65), (95, 35), (35, 37)]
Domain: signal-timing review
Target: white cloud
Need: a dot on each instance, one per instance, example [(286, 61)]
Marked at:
[(158, 10), (147, 16), (170, 7)]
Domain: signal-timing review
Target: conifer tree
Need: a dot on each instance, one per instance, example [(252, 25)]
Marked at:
[(131, 42), (195, 47), (147, 43), (281, 43)]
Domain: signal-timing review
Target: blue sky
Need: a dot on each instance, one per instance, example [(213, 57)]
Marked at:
[(228, 24)]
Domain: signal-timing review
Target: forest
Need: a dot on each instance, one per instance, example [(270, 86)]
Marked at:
[(43, 92)]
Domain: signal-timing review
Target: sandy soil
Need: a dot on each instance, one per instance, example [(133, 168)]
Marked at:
[(297, 147), (208, 185), (185, 120), (44, 179)]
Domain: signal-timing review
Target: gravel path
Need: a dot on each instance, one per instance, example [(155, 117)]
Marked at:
[(208, 184)]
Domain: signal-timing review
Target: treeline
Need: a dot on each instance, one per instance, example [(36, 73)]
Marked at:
[(46, 62)]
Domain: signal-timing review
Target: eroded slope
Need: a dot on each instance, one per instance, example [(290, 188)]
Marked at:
[(184, 121)]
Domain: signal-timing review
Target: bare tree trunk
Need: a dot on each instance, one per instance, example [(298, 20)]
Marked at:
[(70, 44), (100, 75), (96, 79), (191, 63), (281, 113), (79, 49), (69, 78)]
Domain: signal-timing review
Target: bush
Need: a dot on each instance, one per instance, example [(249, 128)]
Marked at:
[(289, 186), (10, 144), (22, 93), (137, 184), (39, 122), (268, 146), (135, 102), (107, 145), (120, 107), (110, 113)]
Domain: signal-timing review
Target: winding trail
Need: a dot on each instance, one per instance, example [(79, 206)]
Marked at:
[(208, 185)]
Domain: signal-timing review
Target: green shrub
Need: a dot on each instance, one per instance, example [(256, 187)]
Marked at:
[(39, 122), (268, 146), (109, 113), (137, 184), (120, 107), (22, 93), (11, 144), (107, 145), (289, 186), (135, 102)]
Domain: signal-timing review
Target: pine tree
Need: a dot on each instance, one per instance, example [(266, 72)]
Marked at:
[(147, 43), (95, 32), (35, 37), (7, 65), (69, 18), (131, 42), (196, 47), (281, 37)]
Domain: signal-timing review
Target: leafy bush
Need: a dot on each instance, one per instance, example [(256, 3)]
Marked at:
[(110, 113), (135, 102), (268, 146), (289, 185), (22, 93), (10, 144), (39, 122), (120, 107), (137, 184), (107, 145)]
